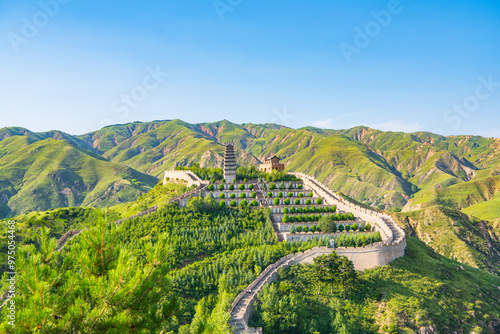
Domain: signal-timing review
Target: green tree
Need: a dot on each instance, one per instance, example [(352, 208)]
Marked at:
[(222, 196), (231, 186), (241, 187), (276, 201), (221, 187)]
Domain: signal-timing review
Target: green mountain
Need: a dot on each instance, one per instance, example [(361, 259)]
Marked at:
[(53, 169)]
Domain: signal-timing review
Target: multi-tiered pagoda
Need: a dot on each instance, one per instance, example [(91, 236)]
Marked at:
[(229, 164)]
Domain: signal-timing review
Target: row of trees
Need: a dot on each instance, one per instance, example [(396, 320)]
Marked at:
[(307, 209), (312, 217)]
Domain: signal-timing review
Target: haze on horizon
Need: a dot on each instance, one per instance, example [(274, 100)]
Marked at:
[(390, 65)]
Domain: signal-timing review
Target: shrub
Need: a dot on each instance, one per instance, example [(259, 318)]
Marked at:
[(244, 203), (221, 187), (272, 186), (351, 216), (312, 218), (222, 203), (292, 230), (297, 201), (276, 201), (223, 180), (299, 218), (292, 210), (292, 219), (232, 203), (221, 196), (285, 210), (231, 186), (326, 209), (243, 195), (211, 187), (318, 217), (232, 196), (354, 227), (341, 227), (269, 194), (306, 209), (319, 201), (241, 187), (338, 217), (306, 229), (301, 194), (245, 180), (290, 194), (319, 229), (368, 227), (299, 210), (299, 186), (333, 208), (212, 181), (313, 228), (250, 186), (285, 219), (287, 201), (312, 209), (280, 194), (253, 195), (299, 228), (344, 217), (254, 203), (347, 227), (308, 201), (310, 194), (333, 217)]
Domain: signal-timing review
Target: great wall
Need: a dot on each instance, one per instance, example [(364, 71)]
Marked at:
[(382, 253)]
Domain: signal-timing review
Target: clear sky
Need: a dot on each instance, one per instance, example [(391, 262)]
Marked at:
[(77, 65)]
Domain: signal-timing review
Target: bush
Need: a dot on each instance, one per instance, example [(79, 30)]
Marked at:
[(245, 180), (243, 195), (344, 217), (333, 217), (232, 203), (312, 218), (285, 210), (290, 194), (269, 194), (299, 228), (244, 203), (318, 217), (223, 180), (368, 227), (338, 217), (222, 203), (301, 194), (333, 208), (354, 227), (232, 195), (285, 219), (282, 185), (306, 229), (280, 194), (231, 186), (299, 210), (253, 195), (297, 201), (292, 230), (292, 219), (241, 187), (250, 186), (319, 201), (287, 201), (222, 196), (308, 201), (254, 203), (293, 210), (310, 194), (313, 228), (347, 227), (299, 218), (221, 187), (341, 227), (350, 216), (276, 201), (326, 209), (272, 186), (306, 209), (319, 229), (211, 187), (299, 186), (312, 209)]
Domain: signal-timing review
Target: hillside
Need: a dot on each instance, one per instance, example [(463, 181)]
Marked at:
[(38, 172)]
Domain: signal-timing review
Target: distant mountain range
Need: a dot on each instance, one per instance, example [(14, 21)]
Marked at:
[(445, 186)]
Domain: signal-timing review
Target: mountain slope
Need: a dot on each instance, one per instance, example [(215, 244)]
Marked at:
[(39, 174)]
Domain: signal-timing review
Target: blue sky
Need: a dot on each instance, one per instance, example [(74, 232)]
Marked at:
[(77, 65)]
